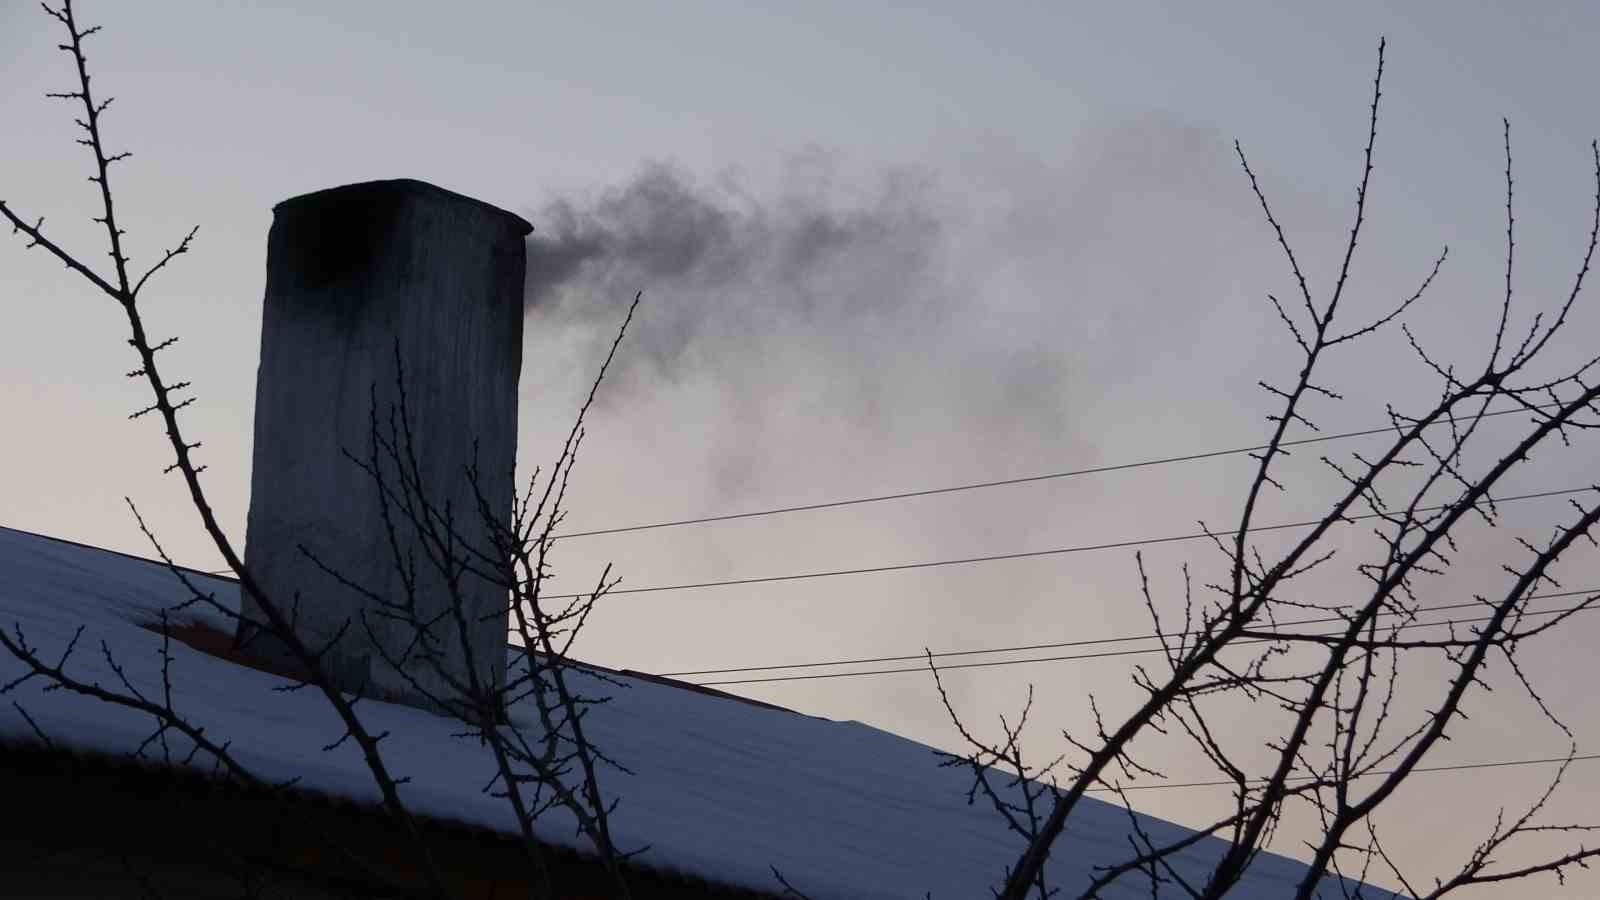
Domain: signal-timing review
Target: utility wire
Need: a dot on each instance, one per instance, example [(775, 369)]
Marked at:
[(1581, 607), (1496, 764), (1063, 644), (978, 485), (1026, 554), (1026, 479)]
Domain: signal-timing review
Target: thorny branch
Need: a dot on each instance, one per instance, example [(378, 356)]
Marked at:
[(124, 287), (550, 763), (1346, 725)]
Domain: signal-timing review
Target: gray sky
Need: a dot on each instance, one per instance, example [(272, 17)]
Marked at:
[(883, 249)]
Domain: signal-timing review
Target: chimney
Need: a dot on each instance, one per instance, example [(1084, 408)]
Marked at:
[(354, 272)]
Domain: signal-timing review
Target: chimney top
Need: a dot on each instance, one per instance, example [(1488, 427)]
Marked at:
[(378, 193)]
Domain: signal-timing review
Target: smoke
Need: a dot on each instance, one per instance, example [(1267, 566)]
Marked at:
[(978, 314), (802, 293), (829, 333)]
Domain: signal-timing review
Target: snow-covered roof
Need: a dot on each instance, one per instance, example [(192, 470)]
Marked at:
[(721, 788)]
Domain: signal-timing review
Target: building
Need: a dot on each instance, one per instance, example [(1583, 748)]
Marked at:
[(724, 789), (724, 792)]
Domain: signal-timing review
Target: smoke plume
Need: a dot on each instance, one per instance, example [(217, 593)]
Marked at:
[(847, 300), (895, 309)]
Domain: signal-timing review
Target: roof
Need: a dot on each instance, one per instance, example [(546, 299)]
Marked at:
[(723, 789), (89, 828)]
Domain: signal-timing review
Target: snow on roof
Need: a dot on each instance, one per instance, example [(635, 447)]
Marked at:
[(722, 789)]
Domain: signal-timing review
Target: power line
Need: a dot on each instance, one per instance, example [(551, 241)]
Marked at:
[(1026, 479), (1062, 644), (1495, 764), (989, 664), (978, 485), (1026, 554)]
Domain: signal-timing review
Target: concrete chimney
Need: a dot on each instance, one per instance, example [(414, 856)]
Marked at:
[(352, 273)]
